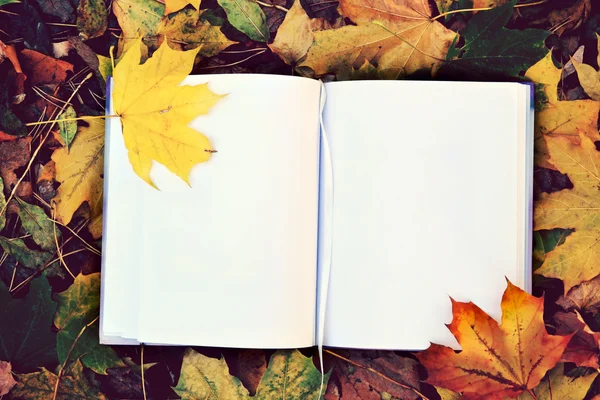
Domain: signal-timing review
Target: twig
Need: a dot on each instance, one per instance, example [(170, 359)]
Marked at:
[(536, 3), (402, 385), (71, 119), (89, 246), (271, 5), (62, 367), (35, 153), (235, 63), (58, 250), (142, 365)]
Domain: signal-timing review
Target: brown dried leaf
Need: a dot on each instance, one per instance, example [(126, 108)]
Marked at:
[(583, 349), (6, 379), (13, 154), (43, 69), (251, 367), (584, 297), (349, 382)]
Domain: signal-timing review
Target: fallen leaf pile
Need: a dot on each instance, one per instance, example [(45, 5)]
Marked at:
[(55, 60)]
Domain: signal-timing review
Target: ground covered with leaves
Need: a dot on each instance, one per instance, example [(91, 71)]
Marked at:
[(55, 56)]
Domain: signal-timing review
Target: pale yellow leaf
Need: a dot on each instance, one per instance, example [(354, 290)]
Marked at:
[(79, 172), (295, 35), (589, 77), (388, 34)]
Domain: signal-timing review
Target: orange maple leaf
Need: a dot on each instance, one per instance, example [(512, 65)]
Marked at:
[(497, 361)]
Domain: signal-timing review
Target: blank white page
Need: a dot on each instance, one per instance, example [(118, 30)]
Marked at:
[(229, 262), (430, 201)]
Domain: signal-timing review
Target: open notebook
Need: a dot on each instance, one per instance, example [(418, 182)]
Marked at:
[(349, 233)]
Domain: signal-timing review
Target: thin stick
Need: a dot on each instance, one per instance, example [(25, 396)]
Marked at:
[(142, 365), (89, 246), (62, 367), (537, 3), (58, 250), (235, 63), (72, 119), (35, 153), (271, 6), (407, 387)]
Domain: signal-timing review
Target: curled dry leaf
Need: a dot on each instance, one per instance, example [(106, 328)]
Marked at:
[(6, 379), (584, 347), (558, 117), (155, 111), (13, 154), (584, 297), (496, 361), (295, 35), (589, 77), (405, 39), (578, 258)]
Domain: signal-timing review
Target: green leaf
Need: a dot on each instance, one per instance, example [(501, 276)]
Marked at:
[(24, 255), (291, 373), (545, 241), (492, 49), (68, 129), (26, 337), (91, 18), (247, 17), (74, 385), (5, 2), (36, 222), (2, 205), (186, 26), (79, 306), (137, 18), (207, 378), (105, 66), (9, 123)]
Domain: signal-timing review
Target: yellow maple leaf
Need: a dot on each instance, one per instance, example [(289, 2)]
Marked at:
[(79, 171), (155, 111), (578, 258), (404, 38), (558, 117), (175, 5), (589, 77)]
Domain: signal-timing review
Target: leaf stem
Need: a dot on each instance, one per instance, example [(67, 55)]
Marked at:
[(271, 5), (72, 119), (407, 387), (536, 3), (142, 365)]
